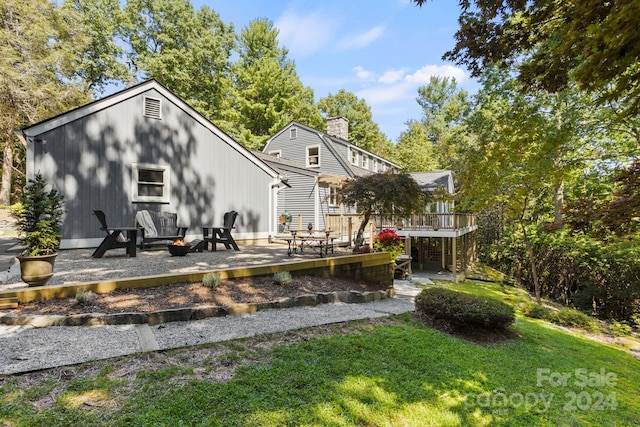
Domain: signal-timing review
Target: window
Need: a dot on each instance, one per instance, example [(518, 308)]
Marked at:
[(354, 157), (277, 153), (293, 133), (333, 196), (313, 156), (375, 165), (365, 162), (152, 108), (150, 183)]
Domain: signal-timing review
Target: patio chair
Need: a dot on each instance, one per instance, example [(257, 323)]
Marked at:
[(114, 238), (215, 235)]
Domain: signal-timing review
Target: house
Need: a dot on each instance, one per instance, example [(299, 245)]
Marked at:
[(145, 148), (316, 163), (328, 158)]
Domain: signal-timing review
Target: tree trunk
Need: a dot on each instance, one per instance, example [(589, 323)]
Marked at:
[(558, 203), (532, 261), (359, 236), (7, 168)]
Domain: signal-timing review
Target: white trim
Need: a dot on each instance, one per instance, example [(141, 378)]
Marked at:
[(365, 162), (309, 165), (166, 183), (352, 151), (275, 153)]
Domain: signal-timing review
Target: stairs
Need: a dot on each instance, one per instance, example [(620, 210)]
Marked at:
[(8, 303)]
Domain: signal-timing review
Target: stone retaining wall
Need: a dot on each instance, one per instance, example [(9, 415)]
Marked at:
[(192, 313)]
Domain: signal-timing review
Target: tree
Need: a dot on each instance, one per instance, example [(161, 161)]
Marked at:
[(186, 50), (444, 110), (363, 131), (595, 43), (390, 195), (100, 64), (269, 92), (39, 57), (414, 150)]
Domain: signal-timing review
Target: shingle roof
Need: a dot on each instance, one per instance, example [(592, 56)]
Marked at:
[(429, 181)]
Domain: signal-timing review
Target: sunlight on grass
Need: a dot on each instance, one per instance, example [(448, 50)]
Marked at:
[(76, 400)]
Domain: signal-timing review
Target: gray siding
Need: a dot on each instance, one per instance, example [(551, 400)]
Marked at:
[(296, 150), (299, 199), (90, 161)]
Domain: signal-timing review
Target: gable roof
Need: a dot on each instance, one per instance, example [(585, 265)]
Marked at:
[(128, 93), (331, 142), (430, 181)]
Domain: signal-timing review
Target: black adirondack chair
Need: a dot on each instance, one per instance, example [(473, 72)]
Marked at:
[(215, 235), (115, 239)]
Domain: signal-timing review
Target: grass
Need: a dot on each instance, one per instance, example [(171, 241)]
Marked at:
[(375, 373)]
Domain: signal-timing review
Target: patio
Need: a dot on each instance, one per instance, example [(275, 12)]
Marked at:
[(77, 265)]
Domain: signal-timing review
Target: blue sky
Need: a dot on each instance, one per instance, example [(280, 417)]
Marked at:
[(381, 50)]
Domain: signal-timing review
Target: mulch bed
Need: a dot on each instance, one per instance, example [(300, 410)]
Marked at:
[(234, 291)]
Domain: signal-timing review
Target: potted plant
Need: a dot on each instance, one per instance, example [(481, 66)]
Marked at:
[(39, 218)]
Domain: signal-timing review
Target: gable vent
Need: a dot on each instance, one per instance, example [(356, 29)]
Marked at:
[(152, 108)]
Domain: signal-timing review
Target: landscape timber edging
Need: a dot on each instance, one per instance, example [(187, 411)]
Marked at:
[(374, 267), (193, 313)]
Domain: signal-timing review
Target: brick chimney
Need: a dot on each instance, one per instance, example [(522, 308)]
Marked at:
[(338, 127)]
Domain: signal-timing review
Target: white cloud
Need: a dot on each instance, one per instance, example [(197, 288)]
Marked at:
[(392, 76), (362, 39), (364, 74), (305, 33), (385, 94), (424, 74)]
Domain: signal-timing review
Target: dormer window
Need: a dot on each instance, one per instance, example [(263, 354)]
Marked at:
[(375, 165), (354, 157), (277, 153), (365, 162), (313, 156), (293, 133)]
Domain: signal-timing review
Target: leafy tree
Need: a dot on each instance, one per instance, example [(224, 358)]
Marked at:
[(269, 92), (39, 58), (100, 64), (595, 43), (414, 150), (186, 50), (386, 194), (363, 131), (444, 110)]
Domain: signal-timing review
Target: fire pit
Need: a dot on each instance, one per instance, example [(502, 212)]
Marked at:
[(178, 248)]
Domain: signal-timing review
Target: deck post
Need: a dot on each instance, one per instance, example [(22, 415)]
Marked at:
[(455, 261)]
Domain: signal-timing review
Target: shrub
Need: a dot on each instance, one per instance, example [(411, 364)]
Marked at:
[(389, 241), (460, 310), (620, 329), (282, 278), (85, 297), (212, 280), (574, 318), (536, 311)]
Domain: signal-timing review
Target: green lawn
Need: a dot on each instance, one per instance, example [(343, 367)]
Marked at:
[(390, 373)]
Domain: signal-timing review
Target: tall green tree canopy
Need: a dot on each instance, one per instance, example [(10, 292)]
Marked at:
[(593, 42), (40, 49), (186, 50), (363, 131), (269, 91), (414, 150)]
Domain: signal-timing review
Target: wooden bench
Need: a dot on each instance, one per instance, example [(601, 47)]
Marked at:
[(164, 227)]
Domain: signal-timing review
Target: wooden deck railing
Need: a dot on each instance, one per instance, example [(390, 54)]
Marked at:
[(347, 224)]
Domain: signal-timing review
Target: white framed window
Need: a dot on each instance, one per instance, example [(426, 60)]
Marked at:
[(354, 157), (152, 108), (365, 162), (313, 156), (276, 153), (333, 196), (293, 133), (375, 165), (150, 183)]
